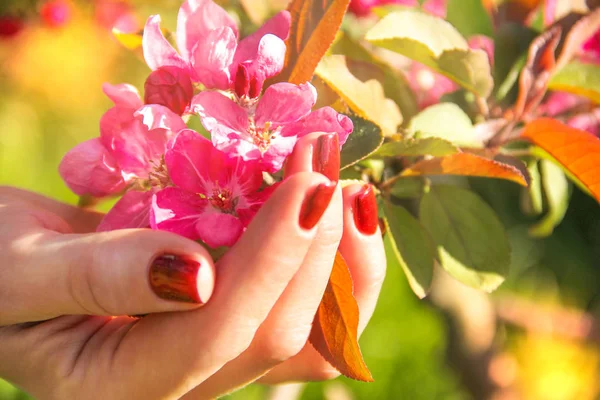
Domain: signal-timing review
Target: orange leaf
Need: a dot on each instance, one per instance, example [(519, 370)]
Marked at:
[(314, 26), (466, 164), (335, 329), (578, 151)]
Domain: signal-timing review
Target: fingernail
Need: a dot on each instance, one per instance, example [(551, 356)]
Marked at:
[(365, 210), (315, 204), (326, 156), (179, 278)]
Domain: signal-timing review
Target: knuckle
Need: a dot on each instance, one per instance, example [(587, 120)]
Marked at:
[(279, 346)]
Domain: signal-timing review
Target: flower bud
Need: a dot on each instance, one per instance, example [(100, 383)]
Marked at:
[(10, 26), (246, 83), (170, 87)]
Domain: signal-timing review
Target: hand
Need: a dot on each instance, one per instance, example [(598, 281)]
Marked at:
[(269, 286)]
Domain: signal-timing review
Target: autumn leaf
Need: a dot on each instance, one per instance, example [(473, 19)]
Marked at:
[(314, 26), (466, 164), (335, 329), (577, 151)]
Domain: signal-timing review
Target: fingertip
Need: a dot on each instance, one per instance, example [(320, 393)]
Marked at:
[(360, 209)]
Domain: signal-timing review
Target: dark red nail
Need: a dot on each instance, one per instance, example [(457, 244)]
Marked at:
[(180, 278), (315, 204), (326, 156), (365, 210)]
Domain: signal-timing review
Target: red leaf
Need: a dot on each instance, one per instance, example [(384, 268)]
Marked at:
[(466, 164), (314, 26), (578, 151), (335, 329)]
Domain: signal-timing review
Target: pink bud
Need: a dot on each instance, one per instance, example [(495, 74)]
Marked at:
[(10, 26), (247, 84), (56, 13), (170, 87)]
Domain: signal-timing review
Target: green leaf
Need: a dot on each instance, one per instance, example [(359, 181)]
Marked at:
[(446, 121), (412, 247), (469, 17), (556, 193), (364, 140), (531, 197), (395, 85), (366, 99), (435, 43), (471, 242), (409, 187), (578, 78), (410, 147)]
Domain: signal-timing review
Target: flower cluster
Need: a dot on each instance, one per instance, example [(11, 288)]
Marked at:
[(171, 177)]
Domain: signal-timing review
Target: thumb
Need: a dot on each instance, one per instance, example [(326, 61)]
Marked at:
[(124, 272)]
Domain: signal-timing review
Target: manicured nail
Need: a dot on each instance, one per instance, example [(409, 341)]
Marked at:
[(180, 278), (326, 156), (315, 204), (365, 210)]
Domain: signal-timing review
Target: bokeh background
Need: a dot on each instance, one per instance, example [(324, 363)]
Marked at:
[(538, 337)]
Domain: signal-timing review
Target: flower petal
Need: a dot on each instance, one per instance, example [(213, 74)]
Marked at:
[(284, 102), (131, 143), (218, 229), (281, 146), (155, 116), (325, 119), (196, 19), (131, 211), (212, 57), (176, 210), (267, 60), (89, 169), (219, 114), (123, 95), (194, 163), (158, 52)]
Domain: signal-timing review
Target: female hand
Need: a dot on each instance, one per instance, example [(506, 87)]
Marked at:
[(269, 286)]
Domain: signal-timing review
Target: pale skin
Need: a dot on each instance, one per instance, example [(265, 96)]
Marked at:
[(254, 327)]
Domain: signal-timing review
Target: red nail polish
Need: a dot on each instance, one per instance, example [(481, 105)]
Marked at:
[(180, 278), (365, 211), (315, 204), (326, 156)]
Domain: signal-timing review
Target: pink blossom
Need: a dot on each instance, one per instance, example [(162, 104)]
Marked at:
[(591, 48), (214, 198), (428, 85), (589, 121), (267, 129), (363, 8), (483, 43), (56, 13), (126, 157), (207, 38)]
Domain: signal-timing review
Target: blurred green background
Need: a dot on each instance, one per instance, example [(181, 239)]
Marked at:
[(457, 344)]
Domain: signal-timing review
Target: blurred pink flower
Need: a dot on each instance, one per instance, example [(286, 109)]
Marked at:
[(428, 85), (589, 121), (558, 103), (207, 38), (214, 198), (591, 48), (267, 129), (128, 155), (483, 43), (10, 26), (116, 14), (363, 8), (56, 13)]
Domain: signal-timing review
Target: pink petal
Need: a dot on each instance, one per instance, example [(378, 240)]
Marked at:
[(195, 21), (281, 146), (549, 11), (218, 229), (325, 119), (89, 169), (484, 43), (234, 144), (250, 47), (131, 211), (176, 210), (212, 56), (155, 116), (194, 163), (560, 102), (219, 114), (131, 143), (123, 95), (283, 103), (436, 7), (264, 61), (158, 52)]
